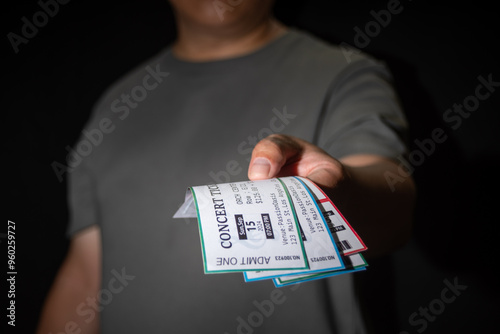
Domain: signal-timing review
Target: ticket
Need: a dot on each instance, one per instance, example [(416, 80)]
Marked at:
[(353, 263), (245, 226), (321, 250), (346, 238), (285, 229)]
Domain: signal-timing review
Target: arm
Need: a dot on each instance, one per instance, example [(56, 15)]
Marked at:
[(78, 278), (356, 184)]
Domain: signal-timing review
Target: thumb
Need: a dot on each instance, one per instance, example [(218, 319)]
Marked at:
[(270, 155), (259, 169)]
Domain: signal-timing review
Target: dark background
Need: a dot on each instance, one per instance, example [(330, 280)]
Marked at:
[(436, 54)]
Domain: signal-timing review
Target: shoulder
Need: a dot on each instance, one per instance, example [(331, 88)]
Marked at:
[(325, 58), (316, 47)]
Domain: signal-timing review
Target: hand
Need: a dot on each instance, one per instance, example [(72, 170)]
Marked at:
[(282, 155), (382, 215)]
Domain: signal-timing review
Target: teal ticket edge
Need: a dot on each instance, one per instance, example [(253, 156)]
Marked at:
[(278, 283), (312, 275), (297, 226)]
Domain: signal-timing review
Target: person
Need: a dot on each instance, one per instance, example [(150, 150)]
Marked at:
[(237, 88)]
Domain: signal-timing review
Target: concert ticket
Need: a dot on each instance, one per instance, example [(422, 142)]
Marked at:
[(284, 228)]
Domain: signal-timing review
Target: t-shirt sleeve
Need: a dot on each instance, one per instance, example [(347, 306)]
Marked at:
[(83, 179), (363, 114), (81, 199)]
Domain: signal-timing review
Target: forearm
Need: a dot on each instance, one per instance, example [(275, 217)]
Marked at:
[(66, 309), (380, 214), (71, 305)]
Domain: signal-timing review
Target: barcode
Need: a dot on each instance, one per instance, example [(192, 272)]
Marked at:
[(332, 227), (329, 223), (328, 213), (344, 245)]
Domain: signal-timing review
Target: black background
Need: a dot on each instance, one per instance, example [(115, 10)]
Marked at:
[(436, 54)]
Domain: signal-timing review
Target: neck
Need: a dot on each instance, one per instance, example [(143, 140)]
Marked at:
[(205, 44)]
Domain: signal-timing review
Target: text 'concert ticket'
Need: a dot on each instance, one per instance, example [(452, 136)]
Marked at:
[(285, 229)]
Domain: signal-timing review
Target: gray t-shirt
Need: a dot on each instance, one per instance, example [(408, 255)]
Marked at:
[(171, 124)]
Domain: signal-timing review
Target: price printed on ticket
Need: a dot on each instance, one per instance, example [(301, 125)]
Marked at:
[(285, 229)]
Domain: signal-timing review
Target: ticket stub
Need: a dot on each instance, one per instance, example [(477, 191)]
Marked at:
[(322, 254), (247, 226), (346, 238)]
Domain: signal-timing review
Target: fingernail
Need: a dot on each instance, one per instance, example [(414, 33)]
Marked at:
[(260, 169)]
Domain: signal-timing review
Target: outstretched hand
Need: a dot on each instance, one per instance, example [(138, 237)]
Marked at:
[(282, 155), (381, 213)]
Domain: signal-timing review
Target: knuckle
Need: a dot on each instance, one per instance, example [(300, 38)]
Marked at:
[(284, 142)]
